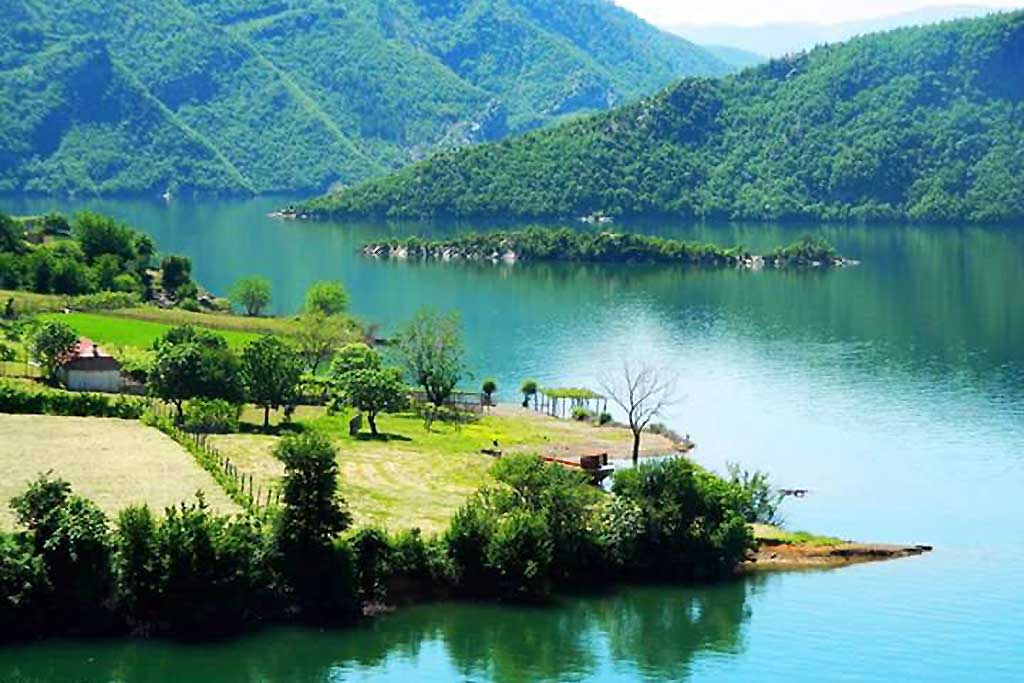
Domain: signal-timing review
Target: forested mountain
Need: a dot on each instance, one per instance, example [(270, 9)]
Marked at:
[(924, 123), (782, 38), (222, 96)]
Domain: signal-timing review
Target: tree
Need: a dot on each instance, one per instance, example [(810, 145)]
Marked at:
[(253, 293), (271, 370), (313, 515), (373, 391), (175, 272), (52, 342), (431, 345), (317, 337), (352, 357), (327, 298), (193, 363), (528, 390), (642, 393), (99, 235), (489, 387), (11, 235)]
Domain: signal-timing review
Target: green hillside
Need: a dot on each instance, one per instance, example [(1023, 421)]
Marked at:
[(228, 96), (925, 124)]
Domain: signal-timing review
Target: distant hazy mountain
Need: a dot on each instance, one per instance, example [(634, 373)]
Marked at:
[(734, 56), (234, 96), (774, 40)]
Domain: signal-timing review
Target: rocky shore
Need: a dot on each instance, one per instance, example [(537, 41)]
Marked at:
[(566, 246)]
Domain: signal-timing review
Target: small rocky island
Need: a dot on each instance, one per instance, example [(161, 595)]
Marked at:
[(565, 245)]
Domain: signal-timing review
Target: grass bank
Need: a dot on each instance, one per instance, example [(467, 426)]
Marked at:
[(411, 477)]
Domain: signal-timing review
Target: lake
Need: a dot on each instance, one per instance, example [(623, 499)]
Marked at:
[(893, 391)]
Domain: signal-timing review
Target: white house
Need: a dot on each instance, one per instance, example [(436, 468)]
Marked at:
[(89, 368)]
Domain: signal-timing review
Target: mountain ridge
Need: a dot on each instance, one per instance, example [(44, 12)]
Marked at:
[(920, 124), (776, 39), (294, 95)]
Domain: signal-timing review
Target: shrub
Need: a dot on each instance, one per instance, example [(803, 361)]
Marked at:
[(581, 414), (104, 301), (371, 551), (190, 305), (212, 575), (534, 528), (23, 587), (71, 537), (694, 525), (760, 501), (519, 549), (25, 399), (604, 419), (212, 416)]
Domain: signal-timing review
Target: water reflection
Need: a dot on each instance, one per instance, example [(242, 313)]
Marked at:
[(656, 632)]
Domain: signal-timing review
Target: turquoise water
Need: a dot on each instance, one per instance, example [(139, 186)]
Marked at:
[(894, 391)]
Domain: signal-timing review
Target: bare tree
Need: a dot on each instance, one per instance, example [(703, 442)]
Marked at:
[(643, 392)]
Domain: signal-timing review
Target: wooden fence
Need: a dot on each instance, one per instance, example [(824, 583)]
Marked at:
[(259, 497)]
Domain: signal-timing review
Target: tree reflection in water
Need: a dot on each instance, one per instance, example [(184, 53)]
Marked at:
[(654, 633)]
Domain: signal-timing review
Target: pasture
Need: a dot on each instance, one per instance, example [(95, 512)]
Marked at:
[(114, 463)]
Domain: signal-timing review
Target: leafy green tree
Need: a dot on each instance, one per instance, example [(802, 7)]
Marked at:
[(319, 580), (528, 389), (101, 235), (253, 293), (489, 387), (192, 363), (327, 298), (317, 337), (374, 391), (431, 346), (11, 235), (176, 271), (271, 370), (53, 341), (352, 357)]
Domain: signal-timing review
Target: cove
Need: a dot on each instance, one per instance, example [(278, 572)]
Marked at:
[(893, 391)]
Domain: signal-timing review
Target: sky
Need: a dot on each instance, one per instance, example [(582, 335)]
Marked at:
[(748, 12)]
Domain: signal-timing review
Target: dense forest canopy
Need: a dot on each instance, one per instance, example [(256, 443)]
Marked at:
[(921, 124), (234, 96)]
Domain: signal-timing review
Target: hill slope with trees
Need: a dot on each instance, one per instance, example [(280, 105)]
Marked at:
[(921, 124), (237, 96)]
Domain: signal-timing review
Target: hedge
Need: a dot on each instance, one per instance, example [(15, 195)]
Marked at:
[(27, 399)]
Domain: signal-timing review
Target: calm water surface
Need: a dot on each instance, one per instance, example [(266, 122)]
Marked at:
[(894, 391)]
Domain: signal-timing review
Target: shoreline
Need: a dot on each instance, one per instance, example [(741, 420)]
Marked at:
[(774, 556)]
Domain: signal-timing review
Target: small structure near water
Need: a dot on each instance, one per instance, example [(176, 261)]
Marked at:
[(89, 368)]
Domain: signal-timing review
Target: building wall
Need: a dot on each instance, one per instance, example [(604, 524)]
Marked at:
[(107, 381)]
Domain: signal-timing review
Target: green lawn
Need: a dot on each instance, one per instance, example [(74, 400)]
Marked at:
[(113, 330), (411, 477), (766, 532)]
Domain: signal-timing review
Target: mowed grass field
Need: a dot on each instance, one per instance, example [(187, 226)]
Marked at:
[(114, 463), (411, 477), (113, 330)]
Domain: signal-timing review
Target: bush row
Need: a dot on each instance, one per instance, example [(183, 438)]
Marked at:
[(192, 573), (19, 398)]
